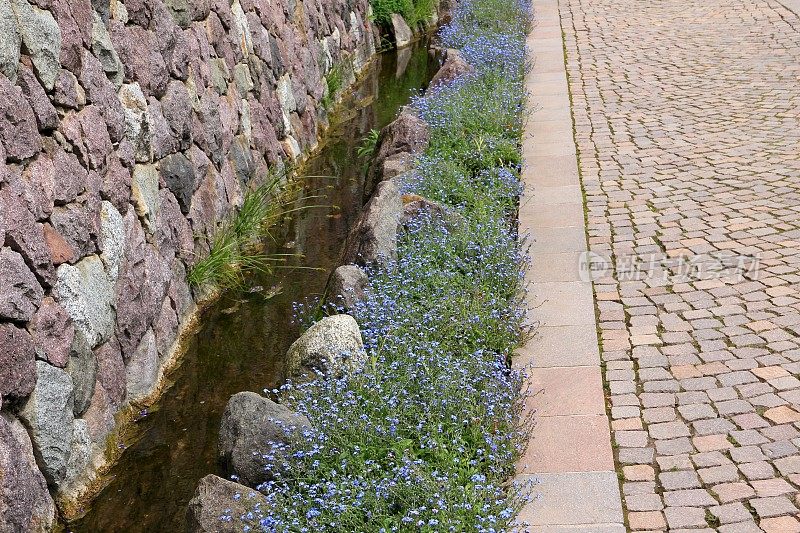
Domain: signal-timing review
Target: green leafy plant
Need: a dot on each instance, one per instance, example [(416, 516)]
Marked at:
[(369, 143), (334, 81)]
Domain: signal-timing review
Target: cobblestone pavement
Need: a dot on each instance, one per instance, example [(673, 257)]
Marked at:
[(687, 117)]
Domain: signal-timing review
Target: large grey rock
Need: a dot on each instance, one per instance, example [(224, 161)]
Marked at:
[(141, 372), (454, 66), (373, 238), (137, 120), (347, 286), (103, 50), (82, 368), (25, 504), (241, 29), (180, 11), (402, 33), (42, 38), (20, 293), (48, 414), (331, 346), (179, 176), (17, 362), (287, 100), (221, 506), (87, 294), (10, 43), (253, 434)]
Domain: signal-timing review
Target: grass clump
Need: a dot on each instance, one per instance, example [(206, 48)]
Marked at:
[(237, 246), (334, 82), (415, 12), (424, 438)]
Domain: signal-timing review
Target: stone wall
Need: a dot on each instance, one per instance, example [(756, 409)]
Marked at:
[(128, 130)]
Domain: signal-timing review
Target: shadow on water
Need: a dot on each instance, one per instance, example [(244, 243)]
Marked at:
[(243, 337)]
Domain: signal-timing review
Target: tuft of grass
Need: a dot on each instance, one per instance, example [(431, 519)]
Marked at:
[(334, 81), (237, 246), (415, 12)]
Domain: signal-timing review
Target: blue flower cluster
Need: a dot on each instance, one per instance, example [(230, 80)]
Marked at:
[(425, 436)]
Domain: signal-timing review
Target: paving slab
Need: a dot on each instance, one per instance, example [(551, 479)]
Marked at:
[(566, 390), (569, 453), (569, 444), (553, 346), (572, 498)]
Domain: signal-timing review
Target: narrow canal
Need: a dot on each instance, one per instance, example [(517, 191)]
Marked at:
[(244, 336)]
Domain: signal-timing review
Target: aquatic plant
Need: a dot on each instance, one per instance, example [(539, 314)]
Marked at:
[(237, 246), (334, 81), (425, 436)]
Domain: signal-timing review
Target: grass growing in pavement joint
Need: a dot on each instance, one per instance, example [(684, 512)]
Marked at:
[(425, 436)]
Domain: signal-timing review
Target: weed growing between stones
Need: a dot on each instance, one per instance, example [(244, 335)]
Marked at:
[(237, 246), (366, 150), (425, 436), (334, 81)]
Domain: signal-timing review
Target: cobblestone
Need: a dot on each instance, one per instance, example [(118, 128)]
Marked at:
[(686, 123)]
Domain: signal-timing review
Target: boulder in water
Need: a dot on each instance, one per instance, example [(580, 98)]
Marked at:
[(332, 346), (253, 436)]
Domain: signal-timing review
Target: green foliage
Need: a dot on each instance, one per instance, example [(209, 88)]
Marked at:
[(237, 246), (334, 80), (415, 12), (366, 150)]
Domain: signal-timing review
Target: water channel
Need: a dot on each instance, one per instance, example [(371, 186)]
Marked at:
[(243, 337)]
